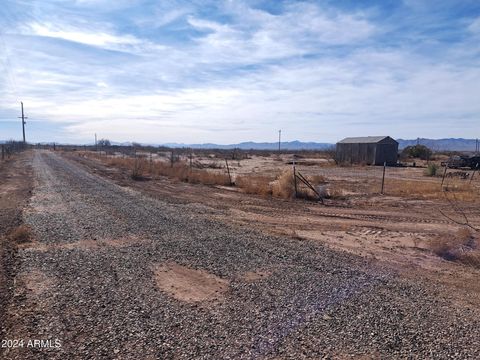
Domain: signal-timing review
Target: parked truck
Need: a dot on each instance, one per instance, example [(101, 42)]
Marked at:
[(458, 162)]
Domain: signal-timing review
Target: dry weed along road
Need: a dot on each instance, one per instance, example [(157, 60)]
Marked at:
[(117, 275)]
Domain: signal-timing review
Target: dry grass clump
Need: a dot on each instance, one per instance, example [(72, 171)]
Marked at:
[(431, 169), (284, 186), (21, 234), (142, 167), (317, 179), (257, 184), (335, 193), (429, 189), (461, 247), (462, 191), (119, 162), (207, 177), (182, 172), (422, 189)]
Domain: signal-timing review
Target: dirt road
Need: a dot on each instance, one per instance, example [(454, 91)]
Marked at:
[(114, 274)]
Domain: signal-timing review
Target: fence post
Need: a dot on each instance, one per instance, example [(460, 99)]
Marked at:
[(150, 163), (294, 176), (444, 174), (228, 170), (383, 177), (135, 168), (473, 174)]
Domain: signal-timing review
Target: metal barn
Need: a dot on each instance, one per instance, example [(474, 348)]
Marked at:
[(369, 150)]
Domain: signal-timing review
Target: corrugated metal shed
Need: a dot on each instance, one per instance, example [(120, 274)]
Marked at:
[(368, 150), (364, 140)]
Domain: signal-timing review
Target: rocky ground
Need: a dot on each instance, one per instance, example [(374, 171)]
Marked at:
[(15, 190), (96, 279)]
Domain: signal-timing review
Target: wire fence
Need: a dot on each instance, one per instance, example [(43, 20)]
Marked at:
[(333, 180), (398, 181), (11, 147)]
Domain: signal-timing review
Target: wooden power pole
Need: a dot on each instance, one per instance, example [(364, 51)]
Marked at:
[(23, 117), (279, 139)]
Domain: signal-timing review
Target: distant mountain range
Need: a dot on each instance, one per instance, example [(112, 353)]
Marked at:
[(250, 145), (450, 144)]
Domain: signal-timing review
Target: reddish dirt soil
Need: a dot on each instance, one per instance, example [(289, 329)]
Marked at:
[(392, 230), (189, 285)]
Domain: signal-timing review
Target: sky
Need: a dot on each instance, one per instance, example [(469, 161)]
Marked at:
[(224, 72)]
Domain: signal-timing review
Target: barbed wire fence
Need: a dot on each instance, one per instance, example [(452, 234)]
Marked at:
[(11, 147)]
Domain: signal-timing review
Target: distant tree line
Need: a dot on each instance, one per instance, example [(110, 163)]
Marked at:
[(417, 151)]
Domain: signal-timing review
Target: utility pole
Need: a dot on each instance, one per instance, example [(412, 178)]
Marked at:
[(23, 117), (279, 139), (96, 149)]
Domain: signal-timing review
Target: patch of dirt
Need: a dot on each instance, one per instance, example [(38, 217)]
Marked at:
[(35, 281), (189, 285), (21, 234)]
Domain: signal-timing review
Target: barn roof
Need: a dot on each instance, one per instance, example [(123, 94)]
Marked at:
[(364, 140)]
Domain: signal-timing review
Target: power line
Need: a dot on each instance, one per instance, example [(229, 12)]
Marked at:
[(23, 117), (279, 139)]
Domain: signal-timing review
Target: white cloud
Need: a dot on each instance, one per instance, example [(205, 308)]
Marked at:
[(162, 15), (257, 36), (474, 26), (319, 96), (89, 38), (240, 79)]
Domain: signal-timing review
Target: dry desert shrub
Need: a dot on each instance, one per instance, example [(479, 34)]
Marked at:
[(284, 186), (335, 192), (142, 166), (208, 177), (255, 184), (317, 179), (178, 171), (21, 234), (431, 169), (471, 258), (460, 247), (120, 162), (429, 189), (182, 172)]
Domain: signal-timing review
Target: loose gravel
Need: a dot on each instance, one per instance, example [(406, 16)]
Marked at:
[(102, 301)]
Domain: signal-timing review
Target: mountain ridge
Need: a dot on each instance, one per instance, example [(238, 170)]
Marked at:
[(445, 144)]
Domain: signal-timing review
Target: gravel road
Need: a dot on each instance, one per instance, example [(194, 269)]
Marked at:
[(89, 281)]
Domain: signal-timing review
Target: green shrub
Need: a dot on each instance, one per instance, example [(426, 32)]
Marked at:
[(431, 169), (417, 151)]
